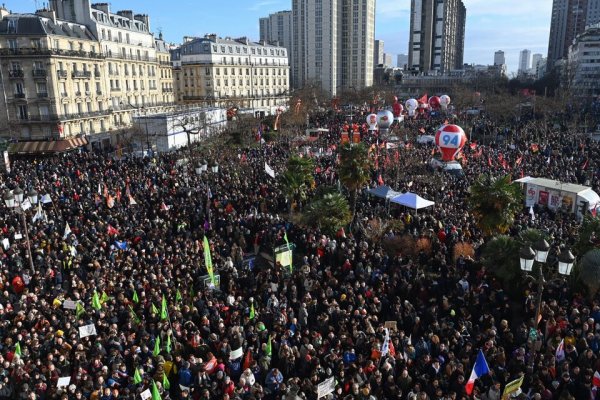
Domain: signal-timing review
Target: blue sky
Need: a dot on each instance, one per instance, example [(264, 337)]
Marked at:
[(509, 25)]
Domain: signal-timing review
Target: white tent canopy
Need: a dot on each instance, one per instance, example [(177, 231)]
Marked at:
[(412, 200), (383, 191)]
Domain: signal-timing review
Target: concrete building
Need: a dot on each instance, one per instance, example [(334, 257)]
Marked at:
[(535, 59), (388, 60), (583, 73), (277, 29), (333, 43), (499, 58), (58, 81), (437, 35), (569, 19), (402, 60), (378, 53), (225, 72), (167, 131), (524, 62)]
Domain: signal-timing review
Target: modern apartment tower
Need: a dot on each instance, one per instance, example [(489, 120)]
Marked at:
[(437, 35), (569, 19), (333, 43), (378, 53), (499, 58), (276, 29), (524, 61)]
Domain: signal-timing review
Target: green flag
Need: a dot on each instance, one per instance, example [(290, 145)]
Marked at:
[(96, 304), (165, 382), (163, 308), (136, 299), (154, 309), (104, 298), (208, 260), (18, 349), (155, 392), (288, 248), (134, 316), (269, 349), (156, 351), (137, 378), (168, 346), (192, 292), (178, 297), (252, 313), (79, 310)]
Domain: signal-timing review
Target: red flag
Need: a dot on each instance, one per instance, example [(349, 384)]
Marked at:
[(585, 164), (473, 146), (489, 161), (111, 230), (522, 174), (500, 158), (164, 207), (118, 195), (380, 180), (505, 165), (105, 193), (247, 360), (594, 212), (423, 99), (391, 349), (519, 160)]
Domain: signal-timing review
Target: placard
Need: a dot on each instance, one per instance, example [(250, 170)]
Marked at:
[(145, 395), (69, 305), (18, 236), (543, 198), (63, 382), (5, 243), (325, 387), (235, 354), (87, 330), (391, 325)]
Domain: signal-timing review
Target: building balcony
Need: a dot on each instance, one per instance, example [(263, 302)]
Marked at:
[(42, 95), (20, 96), (41, 118), (115, 89), (84, 115), (81, 74), (62, 73), (49, 52), (39, 73), (15, 73)]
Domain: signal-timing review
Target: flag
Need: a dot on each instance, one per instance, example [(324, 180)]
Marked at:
[(385, 347), (247, 360), (99, 188), (489, 161), (135, 299), (259, 133), (96, 301), (163, 308), (423, 99), (46, 199), (252, 312), (269, 170), (105, 191), (532, 213), (596, 379), (473, 145), (269, 348), (110, 201), (132, 202), (392, 349), (168, 345), (26, 205), (287, 242), (548, 160), (208, 260), (156, 351), (380, 180), (104, 298), (585, 164), (166, 384), (121, 245), (155, 393), (134, 316), (164, 207), (479, 369), (154, 310), (560, 352), (67, 231), (79, 310), (18, 349), (137, 378), (512, 387), (39, 214), (178, 296), (111, 230), (519, 160)]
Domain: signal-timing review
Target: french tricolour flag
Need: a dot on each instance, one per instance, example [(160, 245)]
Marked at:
[(479, 369)]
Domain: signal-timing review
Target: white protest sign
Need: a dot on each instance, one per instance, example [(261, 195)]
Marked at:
[(18, 236), (145, 395), (63, 382), (87, 330), (69, 305), (235, 354), (325, 387), (5, 243)]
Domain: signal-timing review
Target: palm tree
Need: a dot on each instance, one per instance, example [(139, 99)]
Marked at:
[(495, 201), (354, 169), (298, 178), (329, 213)]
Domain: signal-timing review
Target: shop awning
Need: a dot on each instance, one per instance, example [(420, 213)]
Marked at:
[(46, 147)]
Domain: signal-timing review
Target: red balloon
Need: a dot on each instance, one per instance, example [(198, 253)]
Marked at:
[(434, 102), (397, 109), (450, 139)]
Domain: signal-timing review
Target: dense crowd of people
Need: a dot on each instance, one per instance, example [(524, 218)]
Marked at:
[(132, 264)]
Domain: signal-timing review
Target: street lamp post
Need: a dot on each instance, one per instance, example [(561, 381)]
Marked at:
[(14, 201), (539, 253)]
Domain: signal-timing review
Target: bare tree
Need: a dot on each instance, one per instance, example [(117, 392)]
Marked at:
[(192, 124)]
